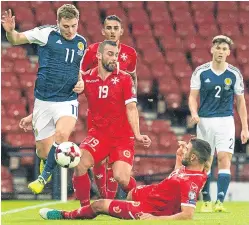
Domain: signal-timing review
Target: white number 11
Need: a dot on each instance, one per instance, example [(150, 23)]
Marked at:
[(68, 55)]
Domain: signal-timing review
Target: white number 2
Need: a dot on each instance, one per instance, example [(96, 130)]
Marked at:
[(67, 49), (218, 88), (103, 91)]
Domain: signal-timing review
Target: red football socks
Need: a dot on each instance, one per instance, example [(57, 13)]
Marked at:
[(112, 184), (100, 179), (85, 212), (82, 188)]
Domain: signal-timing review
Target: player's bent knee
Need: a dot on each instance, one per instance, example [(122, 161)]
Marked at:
[(121, 177), (61, 136), (100, 205)]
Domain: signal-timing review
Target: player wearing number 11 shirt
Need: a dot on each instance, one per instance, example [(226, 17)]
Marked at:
[(112, 101), (60, 51)]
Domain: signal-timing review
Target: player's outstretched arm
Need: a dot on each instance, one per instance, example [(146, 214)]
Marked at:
[(193, 105), (241, 108), (14, 37), (133, 118), (187, 213)]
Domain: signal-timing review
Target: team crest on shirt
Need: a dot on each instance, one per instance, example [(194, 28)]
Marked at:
[(117, 209), (127, 154), (124, 57), (81, 49), (115, 80), (228, 83)]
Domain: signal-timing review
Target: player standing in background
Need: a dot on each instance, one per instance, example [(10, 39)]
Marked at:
[(174, 198), (127, 60), (58, 81), (111, 97), (216, 83)]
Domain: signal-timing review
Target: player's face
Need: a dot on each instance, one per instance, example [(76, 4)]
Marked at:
[(112, 30), (220, 52), (68, 27), (109, 58), (186, 161)]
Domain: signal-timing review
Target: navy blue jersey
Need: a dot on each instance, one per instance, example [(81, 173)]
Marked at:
[(217, 90), (59, 63)]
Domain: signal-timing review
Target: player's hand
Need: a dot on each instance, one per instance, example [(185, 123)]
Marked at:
[(244, 136), (26, 123), (144, 140), (79, 87), (195, 119), (146, 216), (8, 21)]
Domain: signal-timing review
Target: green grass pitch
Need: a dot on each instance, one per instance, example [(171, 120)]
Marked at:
[(238, 215)]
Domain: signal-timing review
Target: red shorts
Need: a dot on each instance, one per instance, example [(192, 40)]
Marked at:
[(102, 147), (128, 209)]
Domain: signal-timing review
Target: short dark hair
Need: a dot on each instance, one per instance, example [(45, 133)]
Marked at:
[(104, 43), (113, 17), (222, 39), (202, 149)]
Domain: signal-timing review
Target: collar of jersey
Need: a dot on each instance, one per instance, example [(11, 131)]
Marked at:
[(218, 74)]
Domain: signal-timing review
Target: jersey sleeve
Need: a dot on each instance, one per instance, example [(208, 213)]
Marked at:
[(239, 84), (38, 35), (195, 82), (87, 60), (132, 65), (189, 193), (129, 90)]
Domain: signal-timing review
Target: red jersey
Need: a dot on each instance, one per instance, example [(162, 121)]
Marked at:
[(107, 101), (127, 58), (181, 188)]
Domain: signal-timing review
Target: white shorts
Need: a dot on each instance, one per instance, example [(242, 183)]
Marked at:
[(46, 114), (219, 132)]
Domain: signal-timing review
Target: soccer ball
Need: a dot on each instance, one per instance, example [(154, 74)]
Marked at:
[(67, 154)]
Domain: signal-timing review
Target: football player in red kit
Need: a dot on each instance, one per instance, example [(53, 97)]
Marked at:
[(174, 198), (112, 101), (127, 60)]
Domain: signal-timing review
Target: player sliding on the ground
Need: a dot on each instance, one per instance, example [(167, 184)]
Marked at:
[(172, 199)]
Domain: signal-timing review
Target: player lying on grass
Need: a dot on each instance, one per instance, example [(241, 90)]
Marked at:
[(174, 198)]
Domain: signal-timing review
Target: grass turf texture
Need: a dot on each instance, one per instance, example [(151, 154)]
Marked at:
[(238, 215)]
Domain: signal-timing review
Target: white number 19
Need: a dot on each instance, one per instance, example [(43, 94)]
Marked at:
[(103, 91)]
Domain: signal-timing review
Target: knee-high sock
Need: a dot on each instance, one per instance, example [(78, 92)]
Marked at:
[(112, 184), (50, 163), (224, 177), (82, 188), (205, 191), (85, 212), (100, 179)]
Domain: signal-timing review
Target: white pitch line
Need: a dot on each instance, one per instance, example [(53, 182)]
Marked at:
[(30, 207)]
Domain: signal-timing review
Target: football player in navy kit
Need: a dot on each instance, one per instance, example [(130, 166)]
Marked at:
[(60, 51), (217, 83)]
